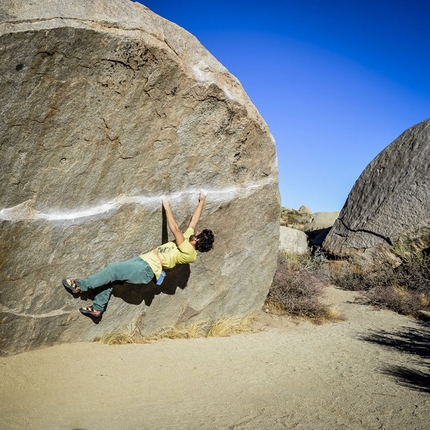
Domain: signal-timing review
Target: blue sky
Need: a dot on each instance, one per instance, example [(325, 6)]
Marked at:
[(336, 80)]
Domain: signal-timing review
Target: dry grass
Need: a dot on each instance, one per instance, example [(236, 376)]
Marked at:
[(117, 338), (229, 326), (222, 328)]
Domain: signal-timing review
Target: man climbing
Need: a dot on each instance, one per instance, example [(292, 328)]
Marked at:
[(143, 268)]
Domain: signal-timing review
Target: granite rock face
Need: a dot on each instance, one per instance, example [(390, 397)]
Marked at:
[(105, 108), (389, 204)]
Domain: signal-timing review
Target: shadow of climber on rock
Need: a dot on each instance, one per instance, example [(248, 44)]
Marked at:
[(175, 278)]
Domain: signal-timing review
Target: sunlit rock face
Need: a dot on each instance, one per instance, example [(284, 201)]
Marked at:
[(293, 241), (388, 207), (105, 108)]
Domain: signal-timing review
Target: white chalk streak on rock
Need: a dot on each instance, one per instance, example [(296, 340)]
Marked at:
[(55, 313), (25, 212)]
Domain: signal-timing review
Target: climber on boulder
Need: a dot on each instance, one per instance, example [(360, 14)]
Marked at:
[(143, 268)]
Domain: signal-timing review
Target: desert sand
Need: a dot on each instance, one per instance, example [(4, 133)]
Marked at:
[(371, 371)]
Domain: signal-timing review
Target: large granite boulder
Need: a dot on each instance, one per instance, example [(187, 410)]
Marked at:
[(293, 241), (389, 205), (105, 108), (319, 226), (321, 221)]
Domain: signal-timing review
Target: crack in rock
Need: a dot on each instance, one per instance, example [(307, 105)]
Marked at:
[(362, 230)]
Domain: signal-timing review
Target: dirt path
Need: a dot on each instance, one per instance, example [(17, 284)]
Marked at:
[(371, 371)]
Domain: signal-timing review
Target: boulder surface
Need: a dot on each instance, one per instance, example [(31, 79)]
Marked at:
[(321, 221), (293, 241), (106, 107), (319, 226), (389, 205)]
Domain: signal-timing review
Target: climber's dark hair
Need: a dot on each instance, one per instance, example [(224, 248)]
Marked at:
[(205, 241)]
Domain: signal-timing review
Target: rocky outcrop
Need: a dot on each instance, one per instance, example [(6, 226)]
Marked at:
[(293, 241), (389, 204), (305, 210), (319, 226), (316, 226), (105, 108), (321, 220), (294, 218)]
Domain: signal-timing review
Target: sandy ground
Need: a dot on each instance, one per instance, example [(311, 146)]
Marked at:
[(371, 371)]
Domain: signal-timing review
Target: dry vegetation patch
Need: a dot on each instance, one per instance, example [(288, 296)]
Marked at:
[(221, 328), (298, 285), (404, 289), (298, 290)]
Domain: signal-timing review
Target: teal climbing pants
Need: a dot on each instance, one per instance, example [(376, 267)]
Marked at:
[(134, 271)]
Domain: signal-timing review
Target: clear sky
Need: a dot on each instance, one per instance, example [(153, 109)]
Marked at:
[(336, 80)]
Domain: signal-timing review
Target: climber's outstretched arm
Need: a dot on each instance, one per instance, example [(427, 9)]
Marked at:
[(198, 212), (171, 222)]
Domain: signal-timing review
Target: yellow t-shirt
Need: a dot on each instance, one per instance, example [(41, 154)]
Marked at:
[(171, 254)]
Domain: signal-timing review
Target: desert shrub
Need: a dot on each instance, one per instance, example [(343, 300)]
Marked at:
[(353, 277), (414, 272), (407, 290), (294, 218), (297, 289), (404, 289), (395, 298)]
